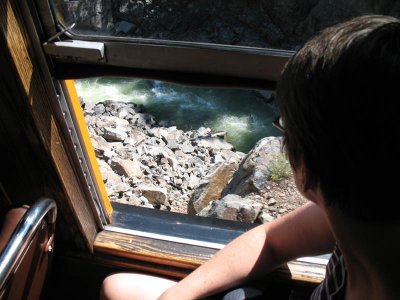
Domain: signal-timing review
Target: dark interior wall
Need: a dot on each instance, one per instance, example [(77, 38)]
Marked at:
[(27, 169), (24, 174)]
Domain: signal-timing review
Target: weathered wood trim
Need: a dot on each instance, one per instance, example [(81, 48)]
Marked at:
[(152, 250), (118, 263), (187, 257), (306, 272), (38, 95)]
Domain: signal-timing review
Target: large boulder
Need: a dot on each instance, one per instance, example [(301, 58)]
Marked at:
[(253, 172), (211, 187)]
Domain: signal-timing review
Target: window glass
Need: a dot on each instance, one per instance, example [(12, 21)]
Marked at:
[(284, 24), (210, 152)]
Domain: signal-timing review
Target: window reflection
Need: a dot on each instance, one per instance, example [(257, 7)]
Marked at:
[(266, 24)]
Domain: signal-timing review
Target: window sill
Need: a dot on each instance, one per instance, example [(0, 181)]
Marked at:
[(165, 244)]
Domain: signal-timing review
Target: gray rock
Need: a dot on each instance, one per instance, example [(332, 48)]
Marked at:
[(115, 134), (211, 187), (235, 208), (128, 168), (124, 26), (265, 217), (214, 143), (253, 173), (155, 195)]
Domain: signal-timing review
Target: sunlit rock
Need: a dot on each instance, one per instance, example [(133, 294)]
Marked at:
[(233, 207), (253, 173), (211, 187)]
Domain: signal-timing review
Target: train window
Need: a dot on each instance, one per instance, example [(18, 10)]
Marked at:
[(175, 94), (264, 24), (178, 148)]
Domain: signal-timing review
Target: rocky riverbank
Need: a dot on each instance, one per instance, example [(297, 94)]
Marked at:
[(150, 163)]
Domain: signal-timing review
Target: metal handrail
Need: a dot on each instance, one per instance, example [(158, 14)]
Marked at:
[(24, 233)]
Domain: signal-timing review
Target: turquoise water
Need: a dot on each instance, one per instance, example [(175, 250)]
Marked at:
[(243, 114)]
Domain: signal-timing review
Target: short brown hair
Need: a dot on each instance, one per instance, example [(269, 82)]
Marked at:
[(339, 99)]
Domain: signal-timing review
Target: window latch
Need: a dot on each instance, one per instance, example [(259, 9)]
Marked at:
[(76, 50), (58, 34)]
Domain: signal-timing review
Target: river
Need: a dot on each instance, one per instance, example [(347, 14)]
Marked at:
[(243, 114)]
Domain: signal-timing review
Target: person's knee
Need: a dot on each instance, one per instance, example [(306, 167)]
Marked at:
[(133, 286), (113, 287)]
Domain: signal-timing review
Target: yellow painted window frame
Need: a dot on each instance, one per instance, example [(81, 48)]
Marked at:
[(81, 124)]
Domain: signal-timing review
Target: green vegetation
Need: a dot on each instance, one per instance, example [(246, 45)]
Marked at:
[(279, 167)]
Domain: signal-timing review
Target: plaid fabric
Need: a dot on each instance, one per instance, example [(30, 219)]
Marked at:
[(334, 285)]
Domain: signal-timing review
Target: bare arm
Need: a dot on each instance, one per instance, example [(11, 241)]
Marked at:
[(302, 232)]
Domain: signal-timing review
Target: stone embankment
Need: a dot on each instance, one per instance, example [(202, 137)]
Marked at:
[(153, 164)]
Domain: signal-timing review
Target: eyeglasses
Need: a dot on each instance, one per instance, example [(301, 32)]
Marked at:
[(279, 124)]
